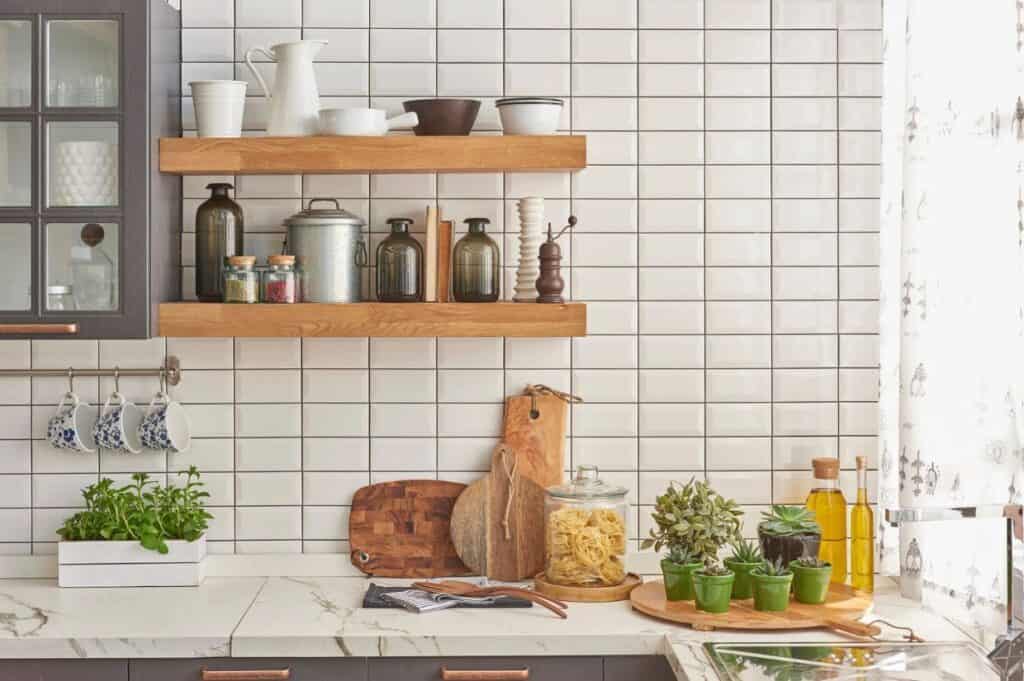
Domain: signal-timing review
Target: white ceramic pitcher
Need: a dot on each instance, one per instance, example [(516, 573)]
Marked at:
[(295, 101)]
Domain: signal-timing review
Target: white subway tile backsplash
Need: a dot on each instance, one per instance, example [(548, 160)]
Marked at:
[(737, 46), (402, 14), (466, 14), (739, 80), (671, 13), (537, 14), (737, 13), (671, 80), (604, 46)]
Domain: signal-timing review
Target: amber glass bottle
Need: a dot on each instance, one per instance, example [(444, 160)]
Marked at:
[(862, 534), (829, 506)]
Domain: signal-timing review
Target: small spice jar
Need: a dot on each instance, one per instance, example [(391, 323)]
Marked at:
[(585, 531), (241, 282), (279, 281)]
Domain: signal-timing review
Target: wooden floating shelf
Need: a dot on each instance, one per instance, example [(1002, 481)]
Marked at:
[(387, 154), (524, 320)]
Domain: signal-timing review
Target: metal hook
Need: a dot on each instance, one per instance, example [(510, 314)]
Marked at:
[(71, 380), (163, 379), (117, 379)]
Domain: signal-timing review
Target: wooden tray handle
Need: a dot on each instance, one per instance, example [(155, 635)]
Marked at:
[(484, 674), (246, 674), (853, 627)]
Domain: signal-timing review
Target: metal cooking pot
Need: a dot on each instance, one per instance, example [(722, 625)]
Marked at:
[(329, 247)]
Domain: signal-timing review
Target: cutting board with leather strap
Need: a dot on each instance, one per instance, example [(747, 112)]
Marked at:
[(535, 429), (402, 529), (497, 525)]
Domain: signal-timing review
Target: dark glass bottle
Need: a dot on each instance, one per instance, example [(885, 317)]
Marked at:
[(219, 230), (400, 265), (476, 265)]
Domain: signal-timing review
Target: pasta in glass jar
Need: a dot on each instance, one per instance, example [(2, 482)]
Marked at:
[(585, 531)]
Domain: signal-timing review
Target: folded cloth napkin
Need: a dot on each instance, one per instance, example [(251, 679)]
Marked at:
[(373, 599)]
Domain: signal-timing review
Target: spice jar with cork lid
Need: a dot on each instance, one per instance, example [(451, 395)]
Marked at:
[(241, 282), (279, 281)]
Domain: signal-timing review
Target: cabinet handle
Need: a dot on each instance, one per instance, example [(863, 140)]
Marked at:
[(68, 329), (246, 674), (484, 674)]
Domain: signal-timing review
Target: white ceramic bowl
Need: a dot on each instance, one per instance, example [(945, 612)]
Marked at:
[(529, 115)]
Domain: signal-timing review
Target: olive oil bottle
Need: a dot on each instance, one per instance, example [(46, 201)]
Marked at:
[(829, 506), (862, 534)]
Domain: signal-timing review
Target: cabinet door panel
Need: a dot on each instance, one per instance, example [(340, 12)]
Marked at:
[(319, 669), (16, 164), (85, 258), (82, 63), (15, 63), (16, 283), (64, 670), (637, 668), (541, 668), (82, 164)]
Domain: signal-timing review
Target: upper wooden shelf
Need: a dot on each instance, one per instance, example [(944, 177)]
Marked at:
[(529, 320), (387, 154)]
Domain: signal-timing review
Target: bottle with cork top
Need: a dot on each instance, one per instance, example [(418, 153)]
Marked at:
[(862, 534), (829, 506)]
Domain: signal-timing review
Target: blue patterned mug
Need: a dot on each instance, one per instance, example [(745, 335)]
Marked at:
[(118, 425), (71, 426), (165, 425)]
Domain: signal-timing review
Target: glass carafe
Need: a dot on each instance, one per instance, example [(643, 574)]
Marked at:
[(93, 271), (400, 265), (829, 506), (476, 265)]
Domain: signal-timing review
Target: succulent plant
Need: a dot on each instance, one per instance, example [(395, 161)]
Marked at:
[(785, 521), (744, 551), (695, 516), (812, 562), (773, 569), (712, 568), (682, 555)]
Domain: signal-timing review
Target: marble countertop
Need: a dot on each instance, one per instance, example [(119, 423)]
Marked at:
[(321, 617)]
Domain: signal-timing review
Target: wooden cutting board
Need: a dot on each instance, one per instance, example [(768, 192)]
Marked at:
[(478, 530), (402, 529), (535, 430)]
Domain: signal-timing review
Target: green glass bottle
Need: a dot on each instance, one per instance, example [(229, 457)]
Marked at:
[(400, 265), (476, 265)]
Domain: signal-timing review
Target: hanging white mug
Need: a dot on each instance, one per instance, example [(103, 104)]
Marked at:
[(294, 101)]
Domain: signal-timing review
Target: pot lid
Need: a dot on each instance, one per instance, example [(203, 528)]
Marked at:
[(587, 485), (324, 216), (528, 100)]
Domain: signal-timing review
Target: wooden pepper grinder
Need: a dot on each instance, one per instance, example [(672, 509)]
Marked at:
[(550, 283)]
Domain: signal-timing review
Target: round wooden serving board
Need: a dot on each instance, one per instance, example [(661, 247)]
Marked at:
[(843, 605), (586, 594)]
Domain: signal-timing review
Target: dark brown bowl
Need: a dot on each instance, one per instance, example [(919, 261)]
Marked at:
[(444, 116)]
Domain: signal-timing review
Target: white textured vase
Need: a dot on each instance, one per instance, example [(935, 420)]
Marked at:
[(85, 174), (531, 234)]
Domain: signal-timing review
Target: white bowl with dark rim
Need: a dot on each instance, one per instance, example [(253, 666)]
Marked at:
[(529, 115)]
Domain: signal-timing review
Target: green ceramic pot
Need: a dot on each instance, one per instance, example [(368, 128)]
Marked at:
[(742, 587), (712, 592), (771, 593), (679, 579), (810, 585)]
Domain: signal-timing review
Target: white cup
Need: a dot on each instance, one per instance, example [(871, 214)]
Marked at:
[(219, 107)]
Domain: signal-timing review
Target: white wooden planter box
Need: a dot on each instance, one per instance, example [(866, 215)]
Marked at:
[(126, 563)]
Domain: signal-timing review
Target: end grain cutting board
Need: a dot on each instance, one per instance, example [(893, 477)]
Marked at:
[(402, 529)]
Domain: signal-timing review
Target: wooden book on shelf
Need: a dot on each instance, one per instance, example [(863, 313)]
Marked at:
[(444, 260), (430, 257)]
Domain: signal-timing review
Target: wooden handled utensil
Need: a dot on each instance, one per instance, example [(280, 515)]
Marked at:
[(473, 591)]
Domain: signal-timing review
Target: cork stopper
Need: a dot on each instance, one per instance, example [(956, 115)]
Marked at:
[(242, 260), (862, 463), (826, 468), (280, 259)]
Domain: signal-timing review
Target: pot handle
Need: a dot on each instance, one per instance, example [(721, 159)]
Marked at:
[(406, 120), (337, 206), (259, 78), (362, 257)]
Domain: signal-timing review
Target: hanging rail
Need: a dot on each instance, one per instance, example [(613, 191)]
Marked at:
[(170, 372)]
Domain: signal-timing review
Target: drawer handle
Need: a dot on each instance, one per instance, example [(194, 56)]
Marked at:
[(484, 674), (69, 329), (246, 674)]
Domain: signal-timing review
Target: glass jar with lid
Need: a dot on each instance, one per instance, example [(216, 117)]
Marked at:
[(279, 280), (585, 531), (59, 297), (400, 265), (241, 281), (476, 265)]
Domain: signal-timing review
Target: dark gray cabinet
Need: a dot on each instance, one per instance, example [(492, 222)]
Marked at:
[(63, 670), (89, 229)]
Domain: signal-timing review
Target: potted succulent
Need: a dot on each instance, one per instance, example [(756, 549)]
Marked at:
[(787, 533), (771, 583), (712, 587), (746, 555), (693, 521), (810, 579), (141, 534)]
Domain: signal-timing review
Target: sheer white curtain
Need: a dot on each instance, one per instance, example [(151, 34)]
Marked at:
[(952, 349)]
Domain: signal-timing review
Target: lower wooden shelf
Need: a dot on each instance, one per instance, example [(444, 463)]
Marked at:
[(523, 320)]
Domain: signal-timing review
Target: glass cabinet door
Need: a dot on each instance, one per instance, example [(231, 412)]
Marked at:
[(82, 266), (82, 160), (82, 62), (15, 64), (15, 164), (16, 280)]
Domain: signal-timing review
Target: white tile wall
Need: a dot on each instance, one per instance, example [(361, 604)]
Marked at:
[(727, 248)]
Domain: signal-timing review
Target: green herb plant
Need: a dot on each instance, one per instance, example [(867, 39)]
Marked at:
[(812, 562), (785, 521), (694, 516), (712, 568), (745, 551), (142, 511), (773, 569)]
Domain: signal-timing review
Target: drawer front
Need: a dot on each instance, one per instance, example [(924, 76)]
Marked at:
[(541, 668), (306, 669), (638, 668), (64, 670)]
